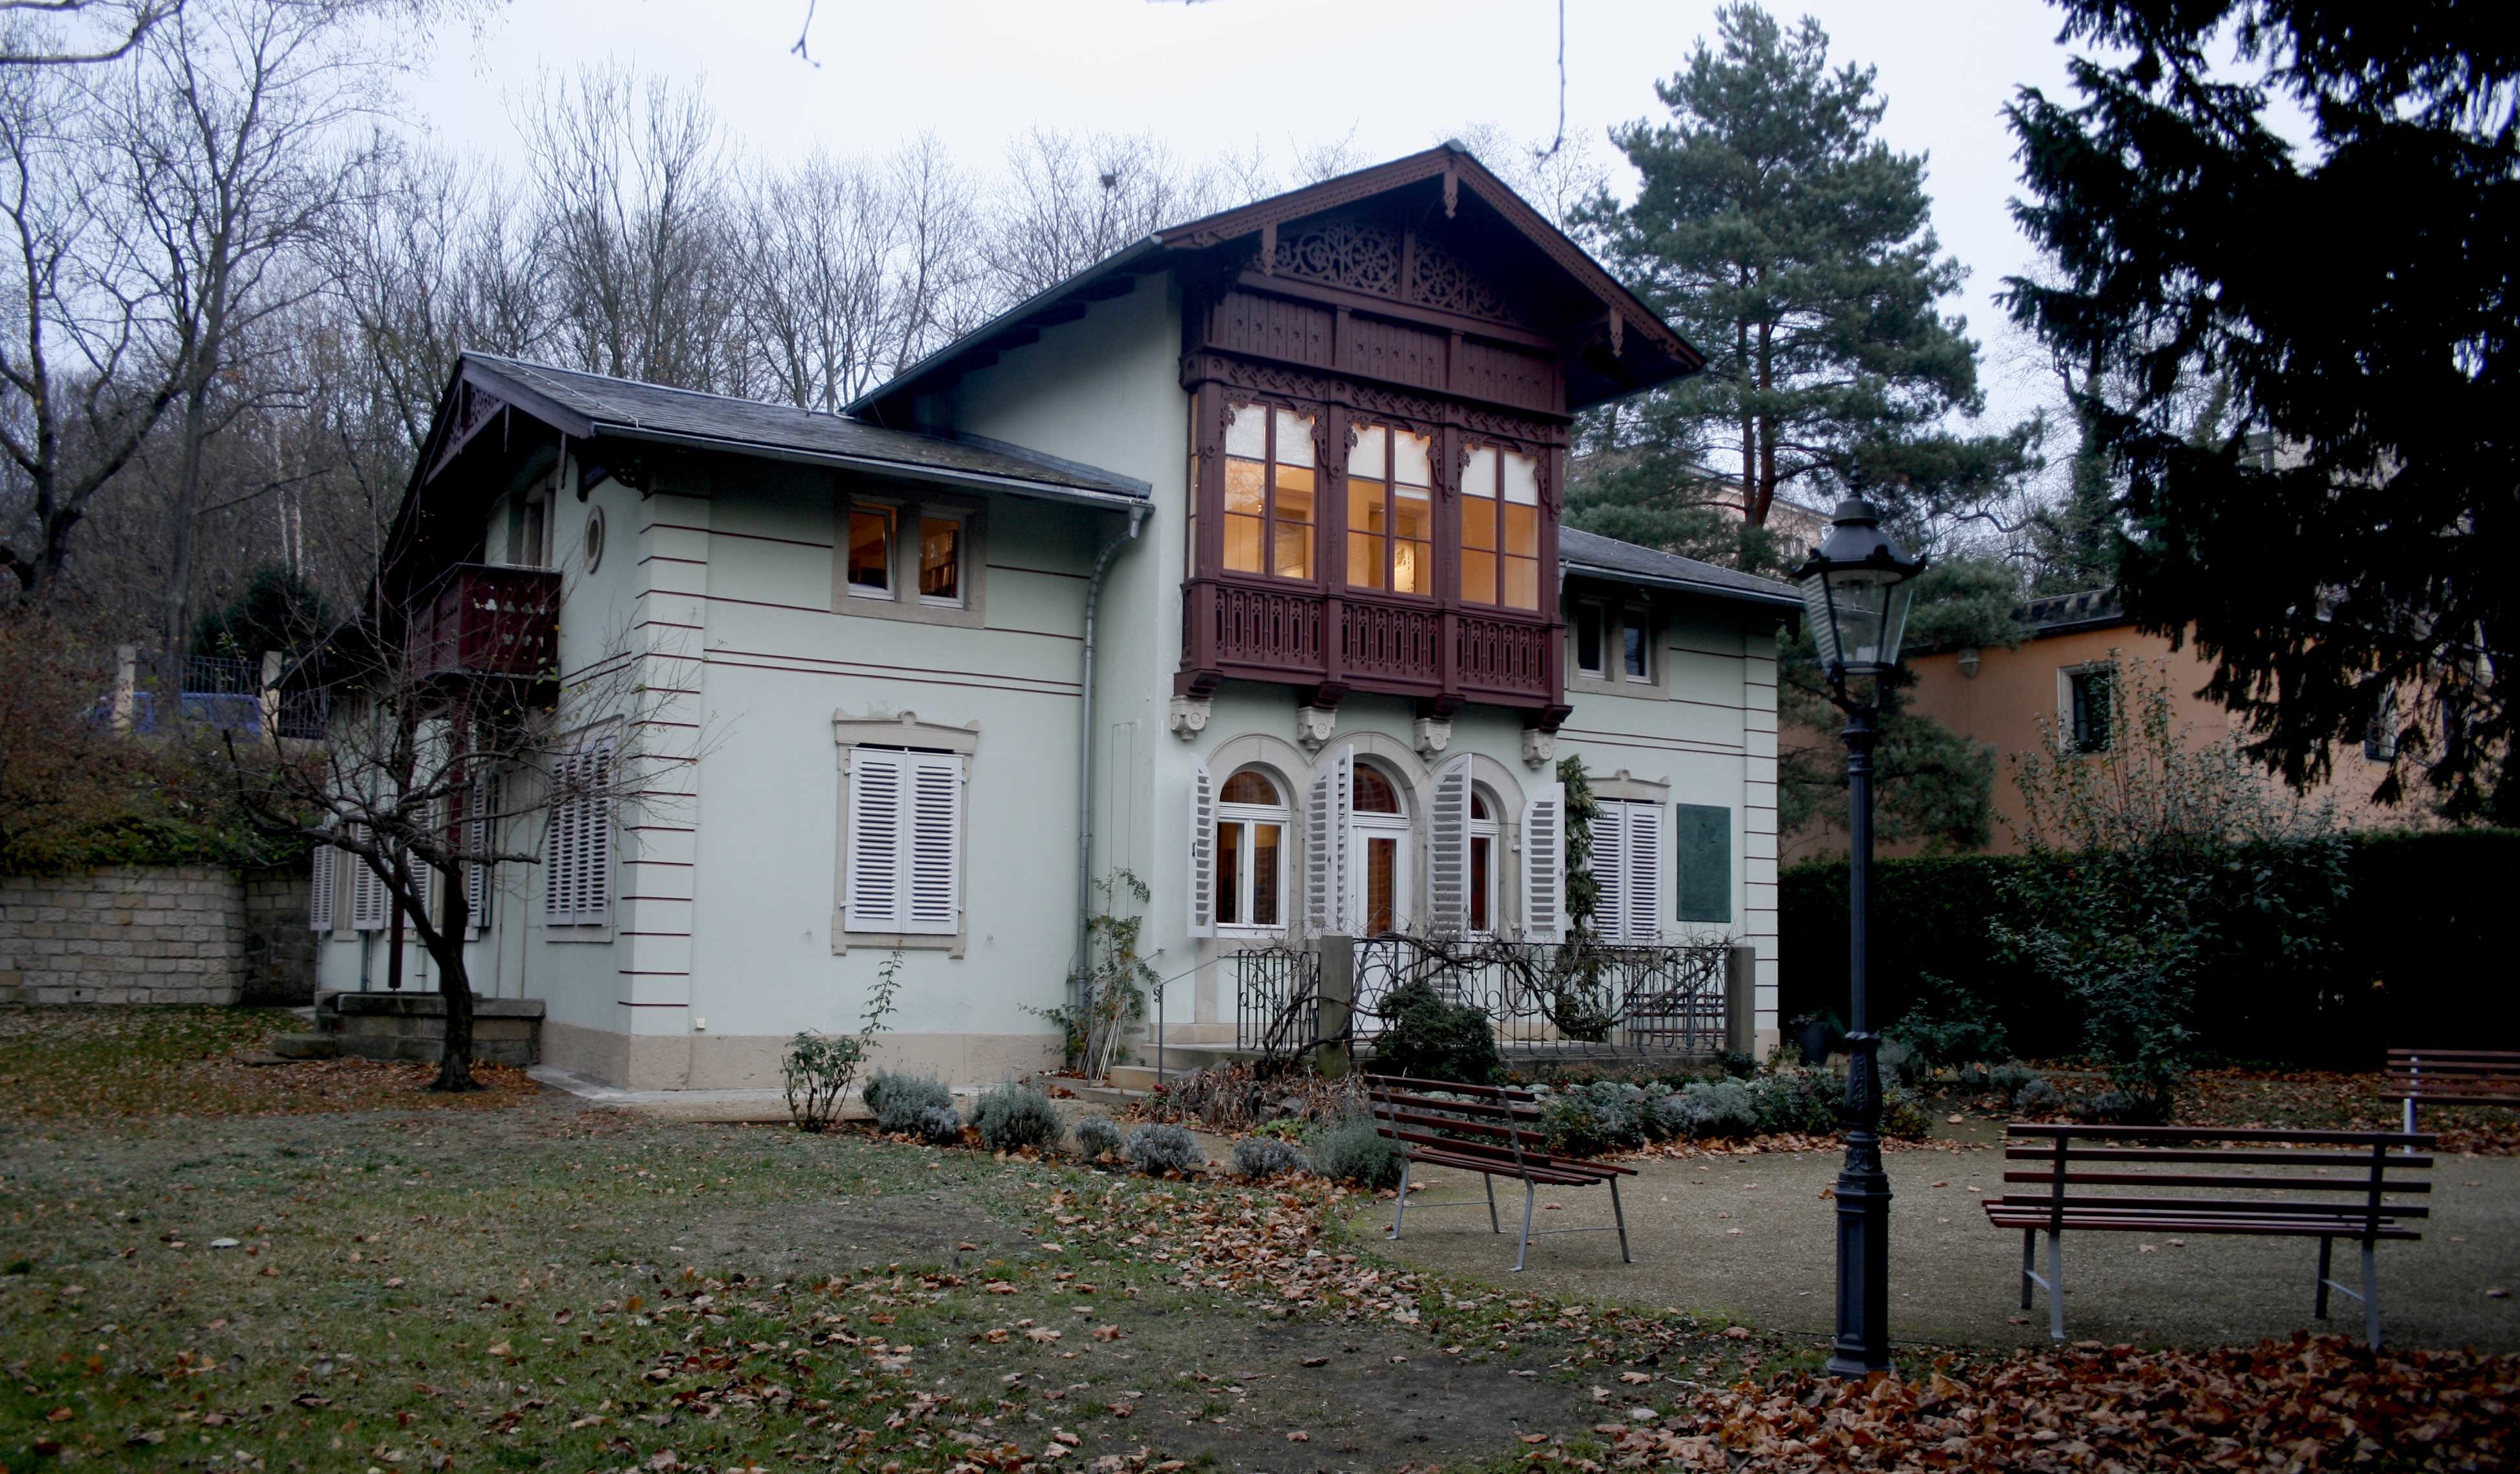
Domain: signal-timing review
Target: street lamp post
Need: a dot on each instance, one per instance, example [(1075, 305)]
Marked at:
[(1856, 589)]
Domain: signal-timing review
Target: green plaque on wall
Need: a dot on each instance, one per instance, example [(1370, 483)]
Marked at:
[(1705, 833)]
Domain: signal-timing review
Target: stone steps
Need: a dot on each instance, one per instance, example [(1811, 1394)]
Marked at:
[(412, 1027)]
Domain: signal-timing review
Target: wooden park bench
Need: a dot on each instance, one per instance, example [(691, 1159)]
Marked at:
[(2264, 1184), (2455, 1077), (1489, 1130)]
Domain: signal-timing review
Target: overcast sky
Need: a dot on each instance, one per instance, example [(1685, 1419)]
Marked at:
[(1230, 74)]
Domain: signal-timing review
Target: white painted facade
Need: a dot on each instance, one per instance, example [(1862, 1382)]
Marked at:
[(728, 930)]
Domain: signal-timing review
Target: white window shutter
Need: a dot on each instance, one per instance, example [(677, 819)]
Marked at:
[(1448, 843), (479, 805), (319, 890), (560, 857), (933, 821), (1642, 884), (1610, 870), (1203, 851), (594, 903), (1544, 864), (877, 780), (367, 891), (1325, 838)]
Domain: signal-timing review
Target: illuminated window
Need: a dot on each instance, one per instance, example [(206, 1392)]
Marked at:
[(1268, 491), (940, 560), (871, 551), (1501, 529), (1390, 511)]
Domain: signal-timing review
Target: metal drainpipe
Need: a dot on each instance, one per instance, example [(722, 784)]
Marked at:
[(1085, 740)]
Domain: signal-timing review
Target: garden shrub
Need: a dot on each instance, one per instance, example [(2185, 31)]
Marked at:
[(1798, 1102), (900, 1100), (1351, 1150), (2037, 1099), (1426, 1038), (1714, 1109), (1949, 1025), (1904, 1116), (1283, 1128), (1160, 1148), (1895, 1061), (940, 1126), (1096, 1137), (1013, 1117), (1266, 1157), (1588, 1120)]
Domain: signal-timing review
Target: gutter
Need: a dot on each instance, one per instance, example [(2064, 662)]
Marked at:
[(1782, 600), (1085, 744)]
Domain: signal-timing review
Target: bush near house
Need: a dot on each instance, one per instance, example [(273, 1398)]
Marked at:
[(2417, 959)]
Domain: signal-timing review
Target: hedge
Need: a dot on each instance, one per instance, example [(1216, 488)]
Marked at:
[(2421, 962)]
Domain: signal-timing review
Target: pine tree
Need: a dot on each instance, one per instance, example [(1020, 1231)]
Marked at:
[(1796, 250)]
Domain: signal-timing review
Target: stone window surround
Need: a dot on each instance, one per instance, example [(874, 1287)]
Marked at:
[(903, 730), (1613, 682), (904, 603)]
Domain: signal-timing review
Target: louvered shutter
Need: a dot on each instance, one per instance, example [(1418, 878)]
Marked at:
[(479, 806), (1325, 837), (1203, 851), (878, 777), (595, 839), (424, 880), (560, 854), (319, 890), (1610, 870), (1544, 864), (933, 815), (367, 890), (1448, 843), (1643, 885)]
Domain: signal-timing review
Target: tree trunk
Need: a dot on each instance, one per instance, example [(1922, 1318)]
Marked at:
[(454, 984), (180, 521)]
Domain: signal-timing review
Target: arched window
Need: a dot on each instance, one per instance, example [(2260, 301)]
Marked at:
[(1380, 868), (1484, 870), (1251, 822)]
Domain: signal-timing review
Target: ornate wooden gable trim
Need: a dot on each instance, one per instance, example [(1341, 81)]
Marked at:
[(1400, 265)]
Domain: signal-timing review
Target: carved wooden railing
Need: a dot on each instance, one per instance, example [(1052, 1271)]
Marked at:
[(1355, 641), (486, 621)]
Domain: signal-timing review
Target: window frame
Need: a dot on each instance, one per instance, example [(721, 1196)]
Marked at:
[(1636, 622), (961, 524), (1500, 451), (1596, 615), (904, 601), (891, 511), (1316, 572), (1388, 541), (1244, 878), (2073, 682), (909, 736), (1490, 831), (1401, 828)]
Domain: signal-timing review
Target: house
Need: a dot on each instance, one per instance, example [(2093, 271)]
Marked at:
[(2059, 679), (1232, 564)]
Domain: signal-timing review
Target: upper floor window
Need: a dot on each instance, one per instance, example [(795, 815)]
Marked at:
[(940, 560), (1635, 646), (1390, 511), (870, 551), (2090, 706), (1270, 491), (1590, 623), (1501, 529)]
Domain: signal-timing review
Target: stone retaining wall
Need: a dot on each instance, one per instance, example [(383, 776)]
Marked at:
[(280, 950), (172, 934)]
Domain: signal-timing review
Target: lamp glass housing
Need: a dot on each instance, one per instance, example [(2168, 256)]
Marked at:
[(1856, 589)]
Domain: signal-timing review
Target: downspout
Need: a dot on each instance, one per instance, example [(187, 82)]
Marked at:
[(1085, 740)]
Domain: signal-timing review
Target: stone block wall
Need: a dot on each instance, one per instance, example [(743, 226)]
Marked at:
[(280, 950), (172, 934)]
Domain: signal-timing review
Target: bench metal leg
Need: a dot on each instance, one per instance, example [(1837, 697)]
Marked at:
[(2319, 1307), (1493, 1225), (2055, 1286), (1621, 1216), (1401, 1211), (2029, 1263), (2370, 1296), (1524, 1253)]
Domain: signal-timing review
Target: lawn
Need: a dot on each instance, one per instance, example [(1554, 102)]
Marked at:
[(525, 1282)]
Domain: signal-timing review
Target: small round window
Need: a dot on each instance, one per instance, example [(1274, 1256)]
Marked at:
[(594, 538)]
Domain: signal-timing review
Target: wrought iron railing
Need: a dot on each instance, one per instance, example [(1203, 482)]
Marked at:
[(1277, 1000), (1572, 999)]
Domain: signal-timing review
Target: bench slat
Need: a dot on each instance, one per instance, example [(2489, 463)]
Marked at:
[(2074, 1177), (1537, 1161), (2291, 1228), (2220, 1134), (2212, 1206), (1548, 1176), (2244, 1158)]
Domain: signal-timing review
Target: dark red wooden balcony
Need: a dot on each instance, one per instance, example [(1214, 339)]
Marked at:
[(1355, 641), (486, 621)]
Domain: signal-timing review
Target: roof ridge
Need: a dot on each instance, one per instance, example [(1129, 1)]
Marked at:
[(660, 388)]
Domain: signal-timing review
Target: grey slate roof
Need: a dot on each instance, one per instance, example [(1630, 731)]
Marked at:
[(592, 404), (2083, 610), (1591, 554)]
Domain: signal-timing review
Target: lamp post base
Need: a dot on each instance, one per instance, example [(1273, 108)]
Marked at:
[(1862, 1343)]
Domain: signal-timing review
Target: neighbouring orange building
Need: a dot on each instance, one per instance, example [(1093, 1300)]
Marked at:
[(2071, 645)]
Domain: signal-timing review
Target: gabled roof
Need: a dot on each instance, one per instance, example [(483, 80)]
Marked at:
[(1646, 351), (591, 405), (1589, 554)]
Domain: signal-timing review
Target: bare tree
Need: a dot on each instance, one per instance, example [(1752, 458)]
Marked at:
[(76, 32), (631, 227), (83, 378), (425, 775), (1071, 201), (232, 166)]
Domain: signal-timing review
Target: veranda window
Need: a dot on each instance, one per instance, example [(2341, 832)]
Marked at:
[(1270, 491), (1251, 822), (1390, 511), (1501, 528)]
